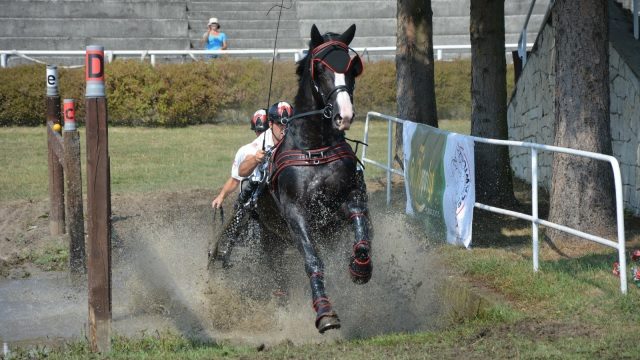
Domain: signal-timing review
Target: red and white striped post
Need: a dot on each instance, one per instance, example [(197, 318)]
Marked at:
[(98, 203)]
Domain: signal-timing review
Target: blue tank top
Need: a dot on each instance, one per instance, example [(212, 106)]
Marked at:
[(215, 42)]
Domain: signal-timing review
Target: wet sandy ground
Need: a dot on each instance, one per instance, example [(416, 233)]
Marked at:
[(160, 282)]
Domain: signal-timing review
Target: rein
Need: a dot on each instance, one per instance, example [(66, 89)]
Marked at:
[(305, 114)]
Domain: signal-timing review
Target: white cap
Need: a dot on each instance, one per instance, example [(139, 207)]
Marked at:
[(213, 21)]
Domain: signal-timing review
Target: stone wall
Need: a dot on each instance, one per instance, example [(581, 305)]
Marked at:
[(625, 126), (531, 116), (531, 111)]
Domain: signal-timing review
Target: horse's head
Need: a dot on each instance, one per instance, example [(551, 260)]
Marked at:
[(332, 72)]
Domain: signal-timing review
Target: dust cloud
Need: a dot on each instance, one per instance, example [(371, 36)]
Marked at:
[(161, 283)]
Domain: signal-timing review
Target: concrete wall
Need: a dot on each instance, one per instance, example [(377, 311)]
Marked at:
[(73, 24), (625, 126), (531, 111), (179, 24)]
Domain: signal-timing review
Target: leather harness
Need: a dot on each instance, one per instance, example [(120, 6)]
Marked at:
[(311, 157)]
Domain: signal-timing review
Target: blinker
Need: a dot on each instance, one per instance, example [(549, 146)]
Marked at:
[(335, 56)]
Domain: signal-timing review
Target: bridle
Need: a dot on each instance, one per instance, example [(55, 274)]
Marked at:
[(334, 55)]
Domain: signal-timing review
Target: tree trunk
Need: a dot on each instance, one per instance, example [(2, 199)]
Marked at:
[(581, 189), (416, 97), (489, 102)]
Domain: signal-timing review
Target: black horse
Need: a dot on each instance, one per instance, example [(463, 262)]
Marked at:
[(315, 183)]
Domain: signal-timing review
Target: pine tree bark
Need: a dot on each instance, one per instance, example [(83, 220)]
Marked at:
[(581, 189), (494, 184), (416, 97)]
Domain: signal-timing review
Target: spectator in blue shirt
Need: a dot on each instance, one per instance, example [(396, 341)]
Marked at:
[(213, 39)]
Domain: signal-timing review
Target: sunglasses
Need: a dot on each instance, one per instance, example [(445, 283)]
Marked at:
[(281, 122), (335, 56)]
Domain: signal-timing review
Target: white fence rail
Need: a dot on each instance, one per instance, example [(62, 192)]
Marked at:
[(533, 218), (296, 54)]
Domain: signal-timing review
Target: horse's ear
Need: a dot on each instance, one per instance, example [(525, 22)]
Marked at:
[(348, 35), (316, 38)]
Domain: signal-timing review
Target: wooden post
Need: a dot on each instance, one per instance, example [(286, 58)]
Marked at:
[(56, 175), (98, 203), (73, 175)]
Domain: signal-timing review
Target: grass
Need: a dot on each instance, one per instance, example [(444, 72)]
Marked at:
[(54, 257), (142, 159), (151, 159), (571, 308)]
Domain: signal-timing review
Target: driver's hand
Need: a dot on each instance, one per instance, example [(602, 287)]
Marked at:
[(260, 156), (217, 202)]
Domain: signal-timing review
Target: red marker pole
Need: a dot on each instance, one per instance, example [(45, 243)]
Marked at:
[(73, 176), (56, 175), (98, 203)]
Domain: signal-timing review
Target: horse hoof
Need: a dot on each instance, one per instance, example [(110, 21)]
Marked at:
[(360, 280), (360, 266), (327, 322), (219, 262), (360, 271)]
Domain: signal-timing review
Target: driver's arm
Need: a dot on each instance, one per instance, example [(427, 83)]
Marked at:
[(250, 163)]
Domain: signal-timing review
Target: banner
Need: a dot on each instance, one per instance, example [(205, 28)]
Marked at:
[(440, 181)]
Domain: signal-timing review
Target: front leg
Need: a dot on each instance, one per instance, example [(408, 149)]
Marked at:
[(326, 318), (360, 266)]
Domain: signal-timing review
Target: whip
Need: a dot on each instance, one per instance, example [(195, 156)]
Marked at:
[(275, 44), (273, 57)]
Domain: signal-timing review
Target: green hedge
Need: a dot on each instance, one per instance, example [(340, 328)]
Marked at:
[(208, 92)]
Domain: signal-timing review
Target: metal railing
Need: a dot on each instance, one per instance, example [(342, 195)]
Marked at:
[(533, 218), (296, 54), (522, 41), (635, 10)]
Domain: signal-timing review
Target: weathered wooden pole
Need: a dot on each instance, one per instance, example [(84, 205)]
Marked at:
[(98, 203), (56, 175), (73, 176)]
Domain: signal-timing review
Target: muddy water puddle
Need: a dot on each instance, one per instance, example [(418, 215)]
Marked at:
[(160, 283)]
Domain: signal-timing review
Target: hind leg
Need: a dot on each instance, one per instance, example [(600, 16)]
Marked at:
[(360, 266)]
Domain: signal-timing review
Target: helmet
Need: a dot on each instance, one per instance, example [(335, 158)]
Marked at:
[(259, 121), (280, 112)]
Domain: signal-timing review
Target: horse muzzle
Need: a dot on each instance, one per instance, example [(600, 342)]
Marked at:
[(342, 123), (344, 116)]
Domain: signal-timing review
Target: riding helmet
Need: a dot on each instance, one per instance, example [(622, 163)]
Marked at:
[(259, 121), (280, 112)]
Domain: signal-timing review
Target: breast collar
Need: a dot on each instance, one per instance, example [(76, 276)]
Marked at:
[(314, 157)]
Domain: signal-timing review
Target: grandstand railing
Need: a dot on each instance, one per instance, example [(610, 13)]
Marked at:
[(636, 15), (296, 54), (533, 218), (522, 41)]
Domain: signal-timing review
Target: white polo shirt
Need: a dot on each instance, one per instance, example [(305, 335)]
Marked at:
[(251, 149)]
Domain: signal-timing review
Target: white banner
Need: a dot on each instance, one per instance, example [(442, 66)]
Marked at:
[(440, 181), (459, 193)]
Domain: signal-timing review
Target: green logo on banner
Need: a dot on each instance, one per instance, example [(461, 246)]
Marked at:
[(427, 180)]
